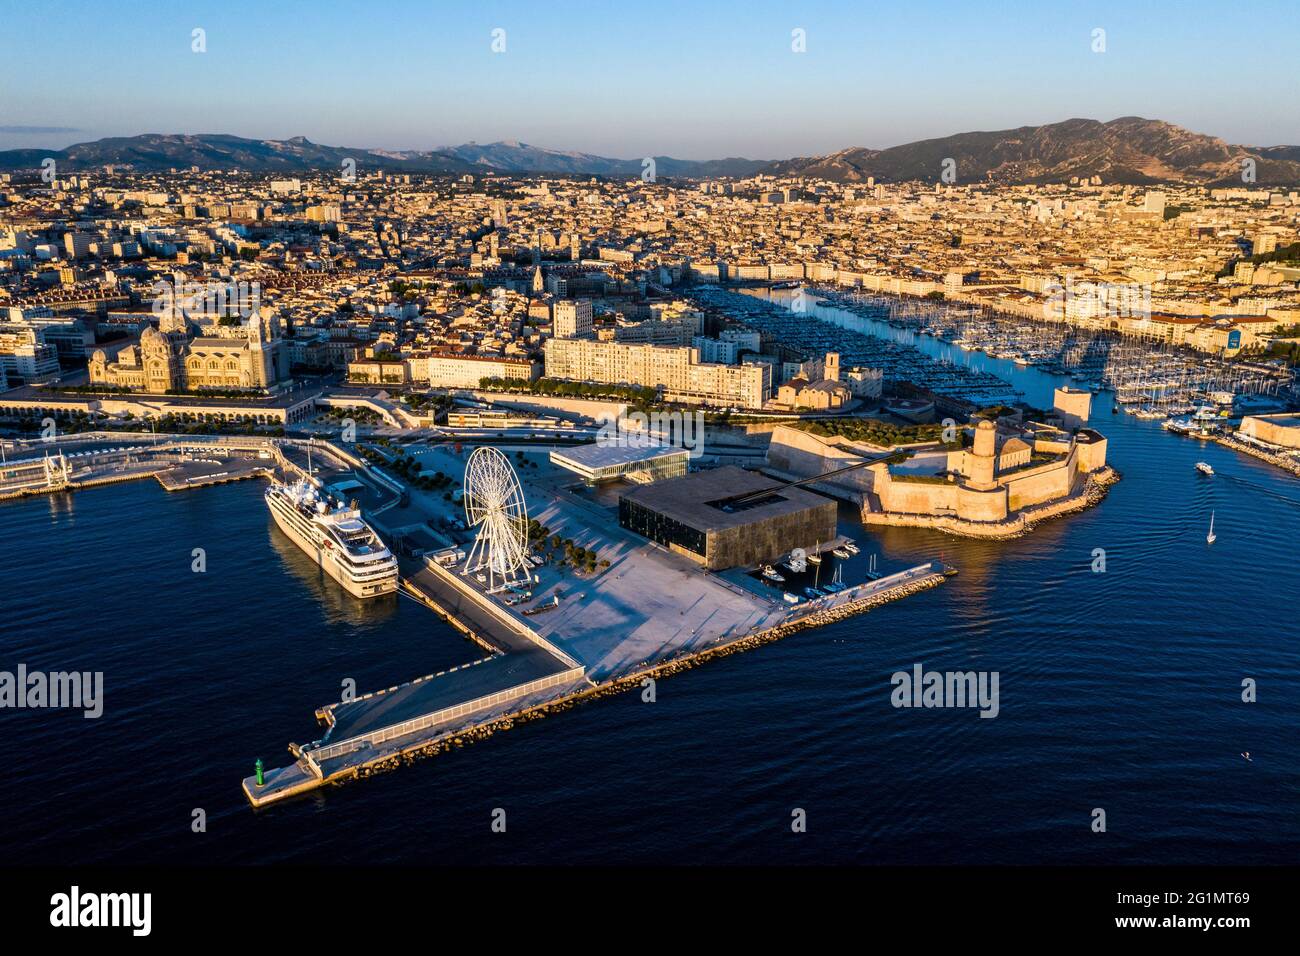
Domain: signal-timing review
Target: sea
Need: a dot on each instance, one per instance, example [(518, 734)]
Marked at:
[(1121, 690)]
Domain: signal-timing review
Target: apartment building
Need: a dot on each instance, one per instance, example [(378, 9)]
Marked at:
[(572, 318), (675, 369), (466, 371), (25, 355)]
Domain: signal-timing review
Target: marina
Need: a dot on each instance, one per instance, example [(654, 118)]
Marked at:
[(898, 359), (1149, 378)]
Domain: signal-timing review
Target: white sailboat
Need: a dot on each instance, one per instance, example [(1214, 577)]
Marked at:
[(1210, 538)]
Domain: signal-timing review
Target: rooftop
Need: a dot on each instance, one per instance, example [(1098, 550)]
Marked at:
[(603, 455), (691, 499)]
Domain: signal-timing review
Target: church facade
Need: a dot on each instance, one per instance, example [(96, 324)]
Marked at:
[(173, 358)]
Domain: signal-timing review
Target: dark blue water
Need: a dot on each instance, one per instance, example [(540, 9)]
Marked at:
[(1119, 690)]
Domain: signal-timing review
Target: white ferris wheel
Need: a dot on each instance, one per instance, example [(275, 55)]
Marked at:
[(494, 503)]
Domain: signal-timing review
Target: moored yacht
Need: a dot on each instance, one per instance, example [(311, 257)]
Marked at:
[(339, 539)]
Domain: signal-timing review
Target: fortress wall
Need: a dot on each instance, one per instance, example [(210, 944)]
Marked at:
[(1091, 456), (975, 505), (915, 497), (1039, 484), (799, 453), (1281, 430)]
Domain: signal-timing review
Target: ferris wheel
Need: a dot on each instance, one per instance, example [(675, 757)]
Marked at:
[(494, 503)]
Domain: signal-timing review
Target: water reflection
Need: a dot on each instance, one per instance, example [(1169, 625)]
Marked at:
[(338, 605)]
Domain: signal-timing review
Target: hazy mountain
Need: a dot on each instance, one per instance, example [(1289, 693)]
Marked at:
[(154, 152), (1125, 150), (514, 157)]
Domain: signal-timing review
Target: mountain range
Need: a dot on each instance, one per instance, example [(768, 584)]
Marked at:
[(1127, 150)]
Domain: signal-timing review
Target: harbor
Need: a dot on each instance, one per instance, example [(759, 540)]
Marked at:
[(1148, 378), (528, 678), (1028, 606), (642, 612), (1190, 394), (95, 459)]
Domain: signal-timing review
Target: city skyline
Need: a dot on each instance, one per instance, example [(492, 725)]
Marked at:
[(712, 83), (538, 445)]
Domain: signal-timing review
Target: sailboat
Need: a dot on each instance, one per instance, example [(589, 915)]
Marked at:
[(815, 557), (1210, 538), (837, 583), (872, 573)]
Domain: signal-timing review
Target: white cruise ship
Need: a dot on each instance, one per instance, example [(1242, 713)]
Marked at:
[(340, 541)]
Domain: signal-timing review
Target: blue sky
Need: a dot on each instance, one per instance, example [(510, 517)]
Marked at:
[(689, 79)]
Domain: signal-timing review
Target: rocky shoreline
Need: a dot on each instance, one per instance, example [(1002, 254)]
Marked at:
[(1286, 464)]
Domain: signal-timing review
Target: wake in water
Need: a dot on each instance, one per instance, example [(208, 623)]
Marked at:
[(1262, 489)]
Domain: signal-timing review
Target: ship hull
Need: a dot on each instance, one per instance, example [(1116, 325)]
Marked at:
[(330, 565)]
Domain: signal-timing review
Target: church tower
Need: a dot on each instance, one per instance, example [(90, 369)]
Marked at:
[(261, 352)]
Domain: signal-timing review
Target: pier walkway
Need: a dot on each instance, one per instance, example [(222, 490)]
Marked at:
[(531, 673)]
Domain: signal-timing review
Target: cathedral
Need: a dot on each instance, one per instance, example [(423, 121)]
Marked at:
[(179, 357)]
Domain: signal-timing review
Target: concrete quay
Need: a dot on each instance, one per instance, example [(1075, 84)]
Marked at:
[(382, 731)]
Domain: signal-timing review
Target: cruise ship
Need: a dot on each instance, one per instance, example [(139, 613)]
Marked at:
[(341, 542)]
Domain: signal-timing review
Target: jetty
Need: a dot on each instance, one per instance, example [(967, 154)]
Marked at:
[(524, 677)]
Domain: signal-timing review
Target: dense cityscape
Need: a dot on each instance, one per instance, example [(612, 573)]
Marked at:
[(893, 507)]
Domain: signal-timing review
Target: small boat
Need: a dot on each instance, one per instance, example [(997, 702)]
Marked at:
[(1204, 468), (773, 575), (815, 557), (851, 548), (814, 592), (841, 554), (1211, 537)]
